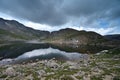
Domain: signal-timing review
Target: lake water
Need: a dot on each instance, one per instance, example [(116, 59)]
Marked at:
[(26, 52)]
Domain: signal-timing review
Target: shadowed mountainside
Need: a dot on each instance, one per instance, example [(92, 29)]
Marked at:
[(13, 30), (113, 37)]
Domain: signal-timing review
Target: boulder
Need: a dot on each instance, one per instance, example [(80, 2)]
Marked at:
[(53, 65), (10, 71), (41, 72)]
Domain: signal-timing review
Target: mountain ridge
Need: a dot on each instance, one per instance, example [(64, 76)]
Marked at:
[(12, 30), (4, 20)]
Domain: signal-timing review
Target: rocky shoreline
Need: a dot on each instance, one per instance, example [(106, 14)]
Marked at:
[(95, 67)]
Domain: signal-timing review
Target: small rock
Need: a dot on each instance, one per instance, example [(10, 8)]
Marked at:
[(86, 77), (50, 73), (102, 52), (73, 67), (29, 77), (69, 63), (80, 73), (33, 64), (53, 65), (41, 72), (108, 77)]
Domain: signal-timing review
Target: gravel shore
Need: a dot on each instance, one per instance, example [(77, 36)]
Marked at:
[(95, 67)]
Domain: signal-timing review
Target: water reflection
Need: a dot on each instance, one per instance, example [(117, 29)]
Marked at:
[(42, 54), (20, 52), (17, 49)]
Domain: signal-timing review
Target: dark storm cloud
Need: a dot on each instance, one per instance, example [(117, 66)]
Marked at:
[(93, 10), (59, 12), (40, 11)]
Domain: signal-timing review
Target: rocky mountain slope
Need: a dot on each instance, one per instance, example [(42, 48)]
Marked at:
[(11, 30), (74, 36)]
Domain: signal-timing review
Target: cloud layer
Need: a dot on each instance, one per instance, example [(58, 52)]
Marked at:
[(56, 13)]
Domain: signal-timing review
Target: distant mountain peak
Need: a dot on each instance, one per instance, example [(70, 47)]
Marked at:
[(68, 29), (1, 19)]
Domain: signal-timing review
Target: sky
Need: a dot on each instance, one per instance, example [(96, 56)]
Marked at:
[(101, 16)]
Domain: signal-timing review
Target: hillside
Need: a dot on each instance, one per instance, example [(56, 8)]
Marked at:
[(11, 30), (113, 37), (74, 36)]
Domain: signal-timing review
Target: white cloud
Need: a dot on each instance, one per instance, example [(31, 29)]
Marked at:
[(102, 31), (5, 16), (38, 26)]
